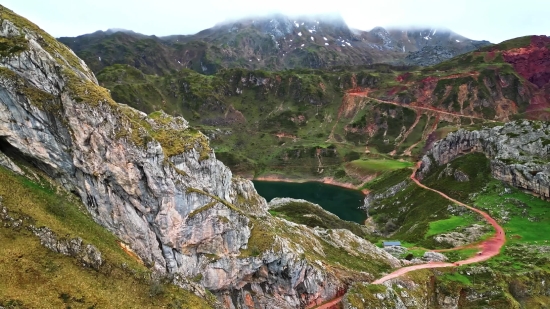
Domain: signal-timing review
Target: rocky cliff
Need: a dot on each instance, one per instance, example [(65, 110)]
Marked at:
[(155, 183), (518, 152)]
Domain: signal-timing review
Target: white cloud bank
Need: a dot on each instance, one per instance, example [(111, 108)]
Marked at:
[(477, 19)]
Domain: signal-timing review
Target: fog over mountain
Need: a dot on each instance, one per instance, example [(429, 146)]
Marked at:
[(480, 20)]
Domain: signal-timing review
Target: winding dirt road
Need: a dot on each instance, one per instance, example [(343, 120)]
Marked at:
[(488, 248), (417, 108)]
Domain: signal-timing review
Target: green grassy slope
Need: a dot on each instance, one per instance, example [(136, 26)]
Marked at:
[(35, 277), (263, 122)]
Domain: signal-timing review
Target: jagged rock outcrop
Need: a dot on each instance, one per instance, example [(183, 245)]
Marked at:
[(434, 256), (462, 236), (405, 293), (458, 175), (396, 251), (88, 255), (519, 153), (154, 182), (391, 191)]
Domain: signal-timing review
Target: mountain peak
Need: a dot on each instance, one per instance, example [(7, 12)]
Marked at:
[(280, 25), (115, 30), (274, 41)]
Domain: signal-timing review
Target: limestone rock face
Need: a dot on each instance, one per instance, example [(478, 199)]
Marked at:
[(179, 209), (7, 163), (519, 153)]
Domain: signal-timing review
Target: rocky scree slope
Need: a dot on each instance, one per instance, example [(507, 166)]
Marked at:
[(518, 152), (155, 183), (271, 42)]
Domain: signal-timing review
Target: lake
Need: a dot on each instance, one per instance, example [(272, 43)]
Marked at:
[(340, 201)]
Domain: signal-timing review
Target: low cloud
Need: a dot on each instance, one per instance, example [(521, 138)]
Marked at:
[(488, 19)]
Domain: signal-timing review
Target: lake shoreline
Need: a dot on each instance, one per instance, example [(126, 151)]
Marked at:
[(325, 180), (343, 202)]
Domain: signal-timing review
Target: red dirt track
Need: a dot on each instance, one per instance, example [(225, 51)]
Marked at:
[(489, 248), (365, 94), (331, 304)]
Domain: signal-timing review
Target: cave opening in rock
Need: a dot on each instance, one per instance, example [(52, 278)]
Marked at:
[(20, 158), (11, 152)]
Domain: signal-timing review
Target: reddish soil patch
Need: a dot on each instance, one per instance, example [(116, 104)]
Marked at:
[(404, 77), (130, 252), (532, 62)]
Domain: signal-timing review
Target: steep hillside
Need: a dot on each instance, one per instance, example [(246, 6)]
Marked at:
[(494, 83), (147, 53), (503, 171), (273, 43), (261, 122), (154, 182)]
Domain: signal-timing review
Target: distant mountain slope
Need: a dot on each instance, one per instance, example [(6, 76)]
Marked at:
[(273, 43), (284, 121), (496, 82)]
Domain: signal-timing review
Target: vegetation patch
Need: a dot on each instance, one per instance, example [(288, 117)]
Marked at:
[(388, 180), (13, 45), (83, 90), (448, 225), (456, 277), (476, 166), (173, 141), (462, 254), (312, 216), (218, 199), (527, 220), (203, 208), (380, 165)]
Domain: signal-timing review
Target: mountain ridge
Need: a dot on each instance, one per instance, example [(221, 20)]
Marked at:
[(276, 42)]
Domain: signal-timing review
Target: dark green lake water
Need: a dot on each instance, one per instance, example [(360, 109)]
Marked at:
[(340, 201)]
